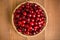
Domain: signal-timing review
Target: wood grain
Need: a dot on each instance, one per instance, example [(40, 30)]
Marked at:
[(52, 30)]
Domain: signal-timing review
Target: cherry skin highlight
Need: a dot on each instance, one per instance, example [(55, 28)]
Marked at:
[(29, 19)]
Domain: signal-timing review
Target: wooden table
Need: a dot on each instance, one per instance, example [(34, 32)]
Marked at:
[(52, 31)]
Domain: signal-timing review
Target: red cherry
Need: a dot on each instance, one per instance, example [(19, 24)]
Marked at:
[(36, 23), (29, 15), (27, 33), (20, 18), (31, 23), (36, 27), (24, 13), (40, 19), (24, 21), (30, 28), (37, 18), (19, 30), (34, 15), (37, 11), (39, 23), (32, 20), (27, 6), (19, 23), (18, 11), (36, 5), (27, 26), (38, 15), (42, 22), (17, 16)]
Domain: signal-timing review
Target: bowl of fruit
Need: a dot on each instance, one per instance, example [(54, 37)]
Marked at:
[(29, 19)]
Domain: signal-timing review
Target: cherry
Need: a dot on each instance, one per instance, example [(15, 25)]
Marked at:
[(24, 13), (29, 19)]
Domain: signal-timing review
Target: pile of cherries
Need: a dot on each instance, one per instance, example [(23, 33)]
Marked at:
[(29, 19)]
